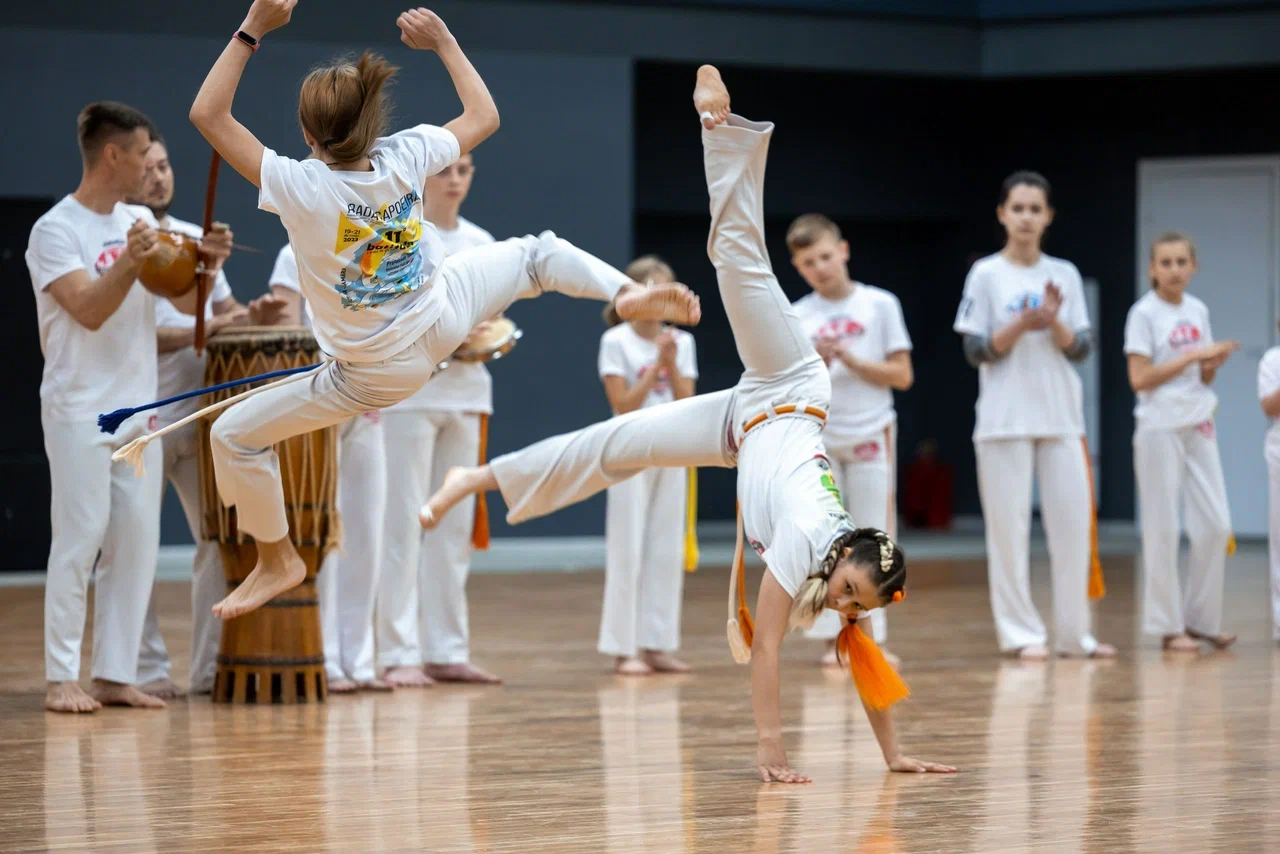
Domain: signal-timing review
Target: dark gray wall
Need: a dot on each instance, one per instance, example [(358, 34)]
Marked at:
[(562, 74)]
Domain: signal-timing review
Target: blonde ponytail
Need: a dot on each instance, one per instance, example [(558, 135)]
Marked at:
[(345, 107)]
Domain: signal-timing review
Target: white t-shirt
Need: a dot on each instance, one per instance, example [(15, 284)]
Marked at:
[(1268, 383), (870, 325), (463, 386), (790, 504), (367, 260), (625, 353), (1162, 331), (1033, 391), (181, 370), (87, 373)]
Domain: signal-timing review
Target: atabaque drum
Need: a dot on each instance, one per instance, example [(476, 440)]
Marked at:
[(273, 654)]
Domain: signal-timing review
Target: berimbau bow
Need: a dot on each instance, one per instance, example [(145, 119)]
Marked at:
[(204, 279)]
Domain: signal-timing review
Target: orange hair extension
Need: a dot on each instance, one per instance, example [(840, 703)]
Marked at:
[(878, 683), (1097, 587), (480, 527)]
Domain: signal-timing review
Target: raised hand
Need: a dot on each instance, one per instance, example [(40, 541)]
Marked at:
[(667, 349), (267, 310), (422, 29), (828, 349), (142, 241), (215, 247), (267, 15)]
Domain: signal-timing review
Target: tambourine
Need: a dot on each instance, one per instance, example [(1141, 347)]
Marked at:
[(171, 270), (488, 346)]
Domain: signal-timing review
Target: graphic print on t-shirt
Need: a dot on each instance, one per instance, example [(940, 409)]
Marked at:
[(110, 252), (1185, 334), (1024, 302), (386, 264), (841, 327)]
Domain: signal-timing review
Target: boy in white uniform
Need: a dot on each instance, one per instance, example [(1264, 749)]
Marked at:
[(859, 331), (347, 583), (97, 335), (181, 370), (1172, 360), (641, 365), (422, 620), (1269, 397)]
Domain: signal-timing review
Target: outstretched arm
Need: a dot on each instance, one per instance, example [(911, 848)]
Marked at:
[(882, 725), (423, 30), (773, 608), (211, 111)]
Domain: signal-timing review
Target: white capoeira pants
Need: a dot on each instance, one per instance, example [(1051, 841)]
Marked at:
[(478, 283), (208, 577), (704, 430), (865, 469), (1173, 467), (1005, 468), (101, 510), (1273, 471), (422, 598), (644, 563), (347, 583)]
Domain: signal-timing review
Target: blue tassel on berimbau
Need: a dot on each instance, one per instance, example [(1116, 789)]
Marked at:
[(111, 421)]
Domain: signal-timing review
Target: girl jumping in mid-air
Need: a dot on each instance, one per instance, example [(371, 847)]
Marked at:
[(770, 427), (386, 303)]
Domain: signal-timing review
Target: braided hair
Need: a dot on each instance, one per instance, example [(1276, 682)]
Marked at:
[(867, 547)]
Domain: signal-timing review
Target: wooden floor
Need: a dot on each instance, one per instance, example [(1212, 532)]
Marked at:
[(1149, 753)]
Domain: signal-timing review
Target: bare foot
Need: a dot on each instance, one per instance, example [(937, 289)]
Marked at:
[(279, 569), (407, 677), (710, 96), (165, 689), (459, 482), (662, 662), (117, 694), (1102, 650), (672, 303), (465, 672), (630, 665), (829, 657), (69, 697), (1179, 643), (342, 686), (377, 685), (1219, 641), (1035, 652)]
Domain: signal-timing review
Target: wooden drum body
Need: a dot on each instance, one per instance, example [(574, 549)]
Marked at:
[(273, 654)]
